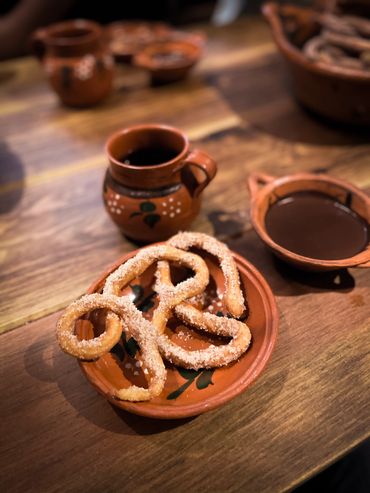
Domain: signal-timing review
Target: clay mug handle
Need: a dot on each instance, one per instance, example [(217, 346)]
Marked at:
[(37, 43), (202, 161), (256, 180)]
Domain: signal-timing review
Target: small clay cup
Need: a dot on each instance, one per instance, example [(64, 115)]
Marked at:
[(152, 202), (265, 190), (338, 93), (169, 61), (76, 60)]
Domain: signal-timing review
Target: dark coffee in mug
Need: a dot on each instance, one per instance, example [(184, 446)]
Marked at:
[(149, 156)]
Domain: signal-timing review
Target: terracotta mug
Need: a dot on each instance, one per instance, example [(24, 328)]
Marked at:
[(77, 61), (153, 186), (265, 190)]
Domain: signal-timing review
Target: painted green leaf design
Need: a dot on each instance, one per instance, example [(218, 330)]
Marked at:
[(147, 303), (133, 214), (118, 351), (152, 219), (131, 347), (137, 290), (147, 206), (204, 379), (176, 393), (188, 374)]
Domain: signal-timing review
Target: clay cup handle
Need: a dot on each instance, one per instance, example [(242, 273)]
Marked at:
[(206, 165), (257, 180), (37, 43)]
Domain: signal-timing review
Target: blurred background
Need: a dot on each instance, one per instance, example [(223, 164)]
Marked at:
[(18, 18)]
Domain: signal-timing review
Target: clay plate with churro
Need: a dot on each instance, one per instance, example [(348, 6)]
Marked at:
[(174, 329)]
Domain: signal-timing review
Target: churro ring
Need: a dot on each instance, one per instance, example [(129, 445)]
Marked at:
[(122, 310), (171, 295), (137, 265), (213, 356), (233, 297), (88, 349)]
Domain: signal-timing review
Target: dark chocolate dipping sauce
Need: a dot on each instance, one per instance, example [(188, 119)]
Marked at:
[(315, 225)]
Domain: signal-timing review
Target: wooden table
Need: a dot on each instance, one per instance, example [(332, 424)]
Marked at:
[(310, 406)]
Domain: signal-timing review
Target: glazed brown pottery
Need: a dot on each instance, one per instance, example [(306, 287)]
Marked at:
[(127, 38), (76, 60), (265, 191), (153, 185), (338, 93), (169, 61), (187, 392)]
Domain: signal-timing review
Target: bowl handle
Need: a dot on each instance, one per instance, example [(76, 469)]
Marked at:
[(365, 265), (256, 180)]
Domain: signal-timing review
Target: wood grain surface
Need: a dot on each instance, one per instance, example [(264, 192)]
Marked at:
[(310, 406)]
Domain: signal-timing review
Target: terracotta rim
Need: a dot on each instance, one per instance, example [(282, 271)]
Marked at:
[(55, 32), (239, 385), (144, 57), (271, 11), (145, 127), (270, 186), (137, 24)]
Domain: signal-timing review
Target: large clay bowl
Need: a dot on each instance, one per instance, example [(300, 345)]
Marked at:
[(338, 93), (186, 393), (265, 190)]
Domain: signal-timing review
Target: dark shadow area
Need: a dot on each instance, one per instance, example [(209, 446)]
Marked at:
[(335, 280), (11, 179), (284, 279), (359, 133), (227, 223), (45, 362), (38, 363), (260, 93), (351, 474), (82, 396), (149, 426)]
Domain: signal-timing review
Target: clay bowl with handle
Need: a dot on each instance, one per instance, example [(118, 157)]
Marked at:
[(265, 190), (169, 61), (336, 92)]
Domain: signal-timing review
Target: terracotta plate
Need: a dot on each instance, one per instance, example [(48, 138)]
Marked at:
[(187, 392)]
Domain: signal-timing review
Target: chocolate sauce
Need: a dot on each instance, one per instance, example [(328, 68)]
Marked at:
[(149, 156), (316, 225)]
